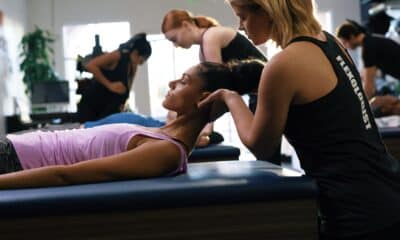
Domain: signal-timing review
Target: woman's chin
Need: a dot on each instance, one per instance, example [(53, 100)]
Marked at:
[(257, 40), (166, 106)]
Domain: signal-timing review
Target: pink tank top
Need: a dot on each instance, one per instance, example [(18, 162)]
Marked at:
[(38, 149)]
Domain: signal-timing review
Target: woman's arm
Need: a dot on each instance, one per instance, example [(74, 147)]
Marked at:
[(369, 75), (261, 133), (387, 104), (132, 75), (143, 161), (106, 61)]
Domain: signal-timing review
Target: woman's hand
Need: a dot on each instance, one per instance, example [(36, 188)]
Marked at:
[(388, 104), (117, 87), (217, 102), (202, 141)]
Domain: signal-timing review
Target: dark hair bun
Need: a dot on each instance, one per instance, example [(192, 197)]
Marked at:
[(139, 37), (139, 43), (240, 76), (246, 75)]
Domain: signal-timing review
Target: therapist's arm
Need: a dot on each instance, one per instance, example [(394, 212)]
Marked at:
[(368, 76)]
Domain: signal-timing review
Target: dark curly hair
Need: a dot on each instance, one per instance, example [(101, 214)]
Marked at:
[(241, 76)]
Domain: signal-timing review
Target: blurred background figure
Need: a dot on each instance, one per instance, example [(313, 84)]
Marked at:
[(113, 73)]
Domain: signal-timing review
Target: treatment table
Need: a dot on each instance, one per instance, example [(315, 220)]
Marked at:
[(391, 138), (213, 200)]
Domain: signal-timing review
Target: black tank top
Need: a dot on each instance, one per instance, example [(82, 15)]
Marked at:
[(119, 73), (239, 48), (338, 143)]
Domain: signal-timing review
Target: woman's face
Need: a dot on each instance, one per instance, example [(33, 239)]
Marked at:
[(351, 43), (184, 93), (255, 23), (136, 58), (180, 37)]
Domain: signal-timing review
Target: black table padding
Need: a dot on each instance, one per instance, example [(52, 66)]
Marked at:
[(215, 151), (204, 184), (390, 132)]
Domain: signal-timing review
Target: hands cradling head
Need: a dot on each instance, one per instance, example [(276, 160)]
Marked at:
[(207, 85)]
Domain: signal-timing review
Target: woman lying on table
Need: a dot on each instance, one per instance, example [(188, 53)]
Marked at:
[(123, 151)]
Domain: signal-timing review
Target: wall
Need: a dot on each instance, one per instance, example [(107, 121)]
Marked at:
[(145, 16), (142, 15), (15, 22), (341, 9)]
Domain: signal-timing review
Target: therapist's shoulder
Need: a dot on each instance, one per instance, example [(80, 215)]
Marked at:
[(285, 69), (281, 63)]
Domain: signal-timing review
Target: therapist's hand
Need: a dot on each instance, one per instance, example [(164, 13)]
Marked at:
[(217, 101)]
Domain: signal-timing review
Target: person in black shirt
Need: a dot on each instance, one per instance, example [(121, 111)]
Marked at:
[(217, 43), (378, 52), (114, 73), (311, 92)]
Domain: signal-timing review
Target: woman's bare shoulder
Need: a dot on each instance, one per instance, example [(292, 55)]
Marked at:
[(283, 69), (149, 135), (294, 58), (219, 34)]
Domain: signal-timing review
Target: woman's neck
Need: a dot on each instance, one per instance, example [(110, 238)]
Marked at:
[(198, 35), (319, 36), (187, 127)]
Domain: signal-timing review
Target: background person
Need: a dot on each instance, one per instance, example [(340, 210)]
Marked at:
[(378, 52), (114, 73)]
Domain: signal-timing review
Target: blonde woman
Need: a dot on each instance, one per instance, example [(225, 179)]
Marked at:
[(312, 93)]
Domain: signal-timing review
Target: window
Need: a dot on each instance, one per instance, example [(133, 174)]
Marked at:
[(165, 64), (325, 19), (80, 39)]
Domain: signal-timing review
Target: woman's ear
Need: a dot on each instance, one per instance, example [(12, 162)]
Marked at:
[(187, 25)]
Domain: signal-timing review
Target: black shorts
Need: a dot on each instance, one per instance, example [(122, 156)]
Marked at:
[(9, 161)]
